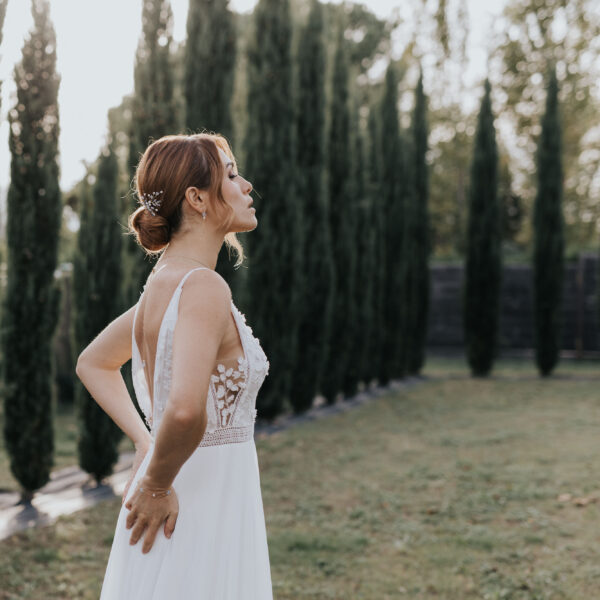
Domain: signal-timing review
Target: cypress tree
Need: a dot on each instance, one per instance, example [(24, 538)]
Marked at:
[(210, 55), (374, 182), (34, 210), (484, 262), (341, 224), (275, 272), (406, 268), (393, 234), (315, 312), (364, 242), (96, 280), (548, 225), (419, 236), (154, 114), (3, 5)]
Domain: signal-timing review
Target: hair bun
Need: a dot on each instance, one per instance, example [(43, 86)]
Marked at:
[(152, 232)]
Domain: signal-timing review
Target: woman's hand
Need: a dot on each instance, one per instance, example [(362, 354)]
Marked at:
[(148, 514), (140, 452)]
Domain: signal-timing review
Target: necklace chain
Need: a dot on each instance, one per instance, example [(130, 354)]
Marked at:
[(184, 257)]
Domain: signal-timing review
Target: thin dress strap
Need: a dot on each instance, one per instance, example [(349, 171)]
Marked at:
[(147, 403)]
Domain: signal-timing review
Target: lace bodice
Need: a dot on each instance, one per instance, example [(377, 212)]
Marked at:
[(233, 387)]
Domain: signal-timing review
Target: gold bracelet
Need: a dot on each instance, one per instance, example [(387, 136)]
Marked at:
[(159, 494)]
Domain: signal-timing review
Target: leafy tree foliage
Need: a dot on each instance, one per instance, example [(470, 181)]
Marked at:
[(96, 282), (32, 296), (342, 224), (319, 270), (393, 208), (418, 236), (548, 255), (483, 266), (564, 35), (272, 298)]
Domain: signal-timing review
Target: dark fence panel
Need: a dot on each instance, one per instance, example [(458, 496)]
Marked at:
[(580, 322)]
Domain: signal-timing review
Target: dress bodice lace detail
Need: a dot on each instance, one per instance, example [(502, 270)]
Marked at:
[(233, 386)]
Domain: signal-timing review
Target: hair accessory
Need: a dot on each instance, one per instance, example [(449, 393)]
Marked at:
[(152, 201)]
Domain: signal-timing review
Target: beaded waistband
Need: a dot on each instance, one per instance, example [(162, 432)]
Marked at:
[(227, 435)]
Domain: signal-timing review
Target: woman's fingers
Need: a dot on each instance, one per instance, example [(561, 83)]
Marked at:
[(150, 535), (170, 524), (131, 518), (137, 531), (147, 516)]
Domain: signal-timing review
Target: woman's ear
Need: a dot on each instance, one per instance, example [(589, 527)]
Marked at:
[(195, 199)]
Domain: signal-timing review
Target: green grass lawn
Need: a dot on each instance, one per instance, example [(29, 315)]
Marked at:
[(454, 488)]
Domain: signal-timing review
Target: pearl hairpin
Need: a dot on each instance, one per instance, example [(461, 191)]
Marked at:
[(152, 201)]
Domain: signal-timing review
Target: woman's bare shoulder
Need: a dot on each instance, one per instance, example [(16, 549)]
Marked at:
[(205, 293)]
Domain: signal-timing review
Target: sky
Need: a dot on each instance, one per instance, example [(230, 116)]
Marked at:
[(107, 33)]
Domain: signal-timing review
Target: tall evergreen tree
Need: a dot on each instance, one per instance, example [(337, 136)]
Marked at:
[(3, 5), (315, 312), (405, 219), (483, 268), (548, 225), (275, 272), (33, 224), (342, 224), (374, 166), (364, 241), (210, 56), (419, 236), (392, 156), (154, 114), (96, 280)]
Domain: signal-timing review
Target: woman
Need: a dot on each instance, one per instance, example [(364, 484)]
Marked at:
[(193, 499)]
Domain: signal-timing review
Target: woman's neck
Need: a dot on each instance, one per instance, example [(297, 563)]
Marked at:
[(204, 251)]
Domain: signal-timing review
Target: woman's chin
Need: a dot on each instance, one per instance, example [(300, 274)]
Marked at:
[(247, 226)]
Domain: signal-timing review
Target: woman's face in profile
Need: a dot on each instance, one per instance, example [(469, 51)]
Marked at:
[(236, 191)]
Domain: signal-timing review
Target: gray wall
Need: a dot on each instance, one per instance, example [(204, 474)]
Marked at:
[(580, 328)]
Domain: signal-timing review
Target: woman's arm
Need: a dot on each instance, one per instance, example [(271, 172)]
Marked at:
[(204, 314), (99, 368), (203, 318)]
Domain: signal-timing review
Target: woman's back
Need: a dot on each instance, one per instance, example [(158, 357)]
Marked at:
[(237, 374)]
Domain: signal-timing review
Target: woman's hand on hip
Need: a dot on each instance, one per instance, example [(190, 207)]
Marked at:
[(147, 514)]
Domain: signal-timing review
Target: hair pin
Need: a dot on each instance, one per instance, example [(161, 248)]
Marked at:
[(152, 201)]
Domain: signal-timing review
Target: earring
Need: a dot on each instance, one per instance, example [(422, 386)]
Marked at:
[(204, 216)]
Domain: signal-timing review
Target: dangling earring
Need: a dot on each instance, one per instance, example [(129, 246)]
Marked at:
[(204, 216)]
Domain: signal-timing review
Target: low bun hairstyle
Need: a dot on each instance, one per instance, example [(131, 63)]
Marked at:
[(172, 164)]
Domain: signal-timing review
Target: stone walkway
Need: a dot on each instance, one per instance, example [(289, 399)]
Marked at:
[(70, 489)]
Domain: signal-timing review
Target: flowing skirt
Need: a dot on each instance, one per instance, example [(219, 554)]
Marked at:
[(218, 550)]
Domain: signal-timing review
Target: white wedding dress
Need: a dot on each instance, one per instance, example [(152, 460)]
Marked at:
[(218, 550)]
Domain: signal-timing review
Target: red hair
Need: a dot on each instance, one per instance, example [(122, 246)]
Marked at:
[(174, 163)]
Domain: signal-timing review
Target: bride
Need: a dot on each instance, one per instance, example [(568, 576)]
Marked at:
[(193, 499)]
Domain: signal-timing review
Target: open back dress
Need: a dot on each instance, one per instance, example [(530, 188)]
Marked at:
[(218, 550)]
